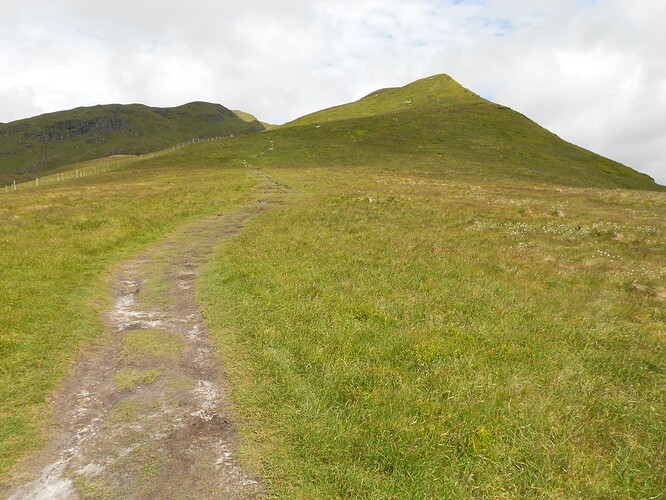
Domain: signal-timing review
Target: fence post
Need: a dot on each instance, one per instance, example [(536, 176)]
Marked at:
[(14, 185), (36, 181)]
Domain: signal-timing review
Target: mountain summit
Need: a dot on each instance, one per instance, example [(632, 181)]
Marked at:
[(421, 94), (438, 121)]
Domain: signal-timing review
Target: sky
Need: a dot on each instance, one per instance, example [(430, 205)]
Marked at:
[(592, 71)]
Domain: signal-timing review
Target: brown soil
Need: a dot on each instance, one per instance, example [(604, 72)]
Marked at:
[(144, 413)]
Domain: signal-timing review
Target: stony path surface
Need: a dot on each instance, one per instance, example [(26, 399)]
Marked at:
[(142, 414)]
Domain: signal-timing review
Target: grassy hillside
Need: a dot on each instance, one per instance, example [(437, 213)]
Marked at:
[(453, 304), (408, 335), (35, 146), (428, 93), (436, 121), (251, 118)]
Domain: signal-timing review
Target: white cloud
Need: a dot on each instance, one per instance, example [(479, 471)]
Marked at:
[(591, 71)]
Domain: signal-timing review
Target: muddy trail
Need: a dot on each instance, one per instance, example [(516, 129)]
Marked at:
[(143, 413)]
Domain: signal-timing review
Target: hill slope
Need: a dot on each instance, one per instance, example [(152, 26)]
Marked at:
[(438, 121), (36, 145), (247, 117)]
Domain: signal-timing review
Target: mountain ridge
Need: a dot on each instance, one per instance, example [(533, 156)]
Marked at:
[(434, 120), (34, 146)]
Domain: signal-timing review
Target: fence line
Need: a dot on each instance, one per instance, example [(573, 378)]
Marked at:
[(98, 169)]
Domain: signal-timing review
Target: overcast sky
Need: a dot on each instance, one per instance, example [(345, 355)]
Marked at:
[(592, 71)]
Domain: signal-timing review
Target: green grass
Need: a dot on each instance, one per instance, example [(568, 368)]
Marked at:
[(124, 412), (445, 129), (130, 378), (93, 489), (58, 244), (140, 343), (434, 91), (408, 336)]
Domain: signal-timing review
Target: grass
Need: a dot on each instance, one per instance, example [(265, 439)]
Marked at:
[(140, 343), (126, 411), (410, 336), (445, 128), (129, 378), (435, 91), (58, 244), (93, 489)]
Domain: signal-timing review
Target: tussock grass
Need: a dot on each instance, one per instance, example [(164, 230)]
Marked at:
[(416, 336)]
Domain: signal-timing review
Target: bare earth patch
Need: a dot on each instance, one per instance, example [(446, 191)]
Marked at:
[(143, 414)]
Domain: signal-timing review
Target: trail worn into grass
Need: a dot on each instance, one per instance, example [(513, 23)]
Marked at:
[(143, 413)]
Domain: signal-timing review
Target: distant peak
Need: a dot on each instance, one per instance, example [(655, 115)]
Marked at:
[(246, 117), (439, 76), (432, 91)]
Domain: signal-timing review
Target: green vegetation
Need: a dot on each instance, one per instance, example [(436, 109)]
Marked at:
[(247, 117), (32, 147), (58, 243), (93, 489), (151, 342), (129, 378), (426, 94), (436, 125), (125, 411), (410, 336), (454, 303)]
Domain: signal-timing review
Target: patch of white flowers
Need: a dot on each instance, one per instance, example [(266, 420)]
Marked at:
[(604, 254), (647, 230), (563, 230)]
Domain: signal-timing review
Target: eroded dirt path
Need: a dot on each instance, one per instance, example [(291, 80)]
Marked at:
[(142, 414)]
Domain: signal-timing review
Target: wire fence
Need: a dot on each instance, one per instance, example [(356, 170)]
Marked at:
[(112, 164)]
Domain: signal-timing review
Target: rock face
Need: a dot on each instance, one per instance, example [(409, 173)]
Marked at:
[(69, 128), (31, 147)]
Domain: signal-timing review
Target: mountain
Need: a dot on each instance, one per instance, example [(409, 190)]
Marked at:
[(428, 93), (35, 146), (437, 122), (251, 118), (431, 124)]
